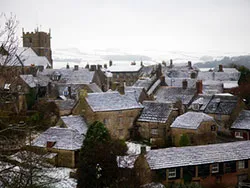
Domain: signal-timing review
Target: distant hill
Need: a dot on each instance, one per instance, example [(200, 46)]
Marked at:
[(226, 61)]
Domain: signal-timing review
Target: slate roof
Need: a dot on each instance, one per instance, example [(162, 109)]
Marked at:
[(191, 120), (242, 121), (210, 87), (221, 104), (70, 76), (145, 83), (173, 94), (202, 100), (124, 68), (230, 84), (110, 101), (94, 88), (32, 81), (197, 155), (219, 76), (154, 87), (155, 112), (76, 123), (65, 138), (177, 82), (136, 90)]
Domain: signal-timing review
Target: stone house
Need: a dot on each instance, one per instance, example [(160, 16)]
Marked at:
[(139, 92), (241, 126), (154, 122), (199, 127), (65, 107), (63, 143), (224, 108), (214, 165), (117, 111)]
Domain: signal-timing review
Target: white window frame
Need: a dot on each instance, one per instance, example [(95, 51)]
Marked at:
[(215, 168), (238, 134), (241, 164), (172, 173), (154, 131)]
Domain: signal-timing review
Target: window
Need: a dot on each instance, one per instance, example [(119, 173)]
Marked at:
[(105, 121), (172, 173), (7, 86), (238, 134), (241, 164), (154, 131), (213, 128), (230, 167), (215, 168)]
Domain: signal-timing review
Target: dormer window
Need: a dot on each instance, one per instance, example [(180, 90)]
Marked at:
[(50, 144)]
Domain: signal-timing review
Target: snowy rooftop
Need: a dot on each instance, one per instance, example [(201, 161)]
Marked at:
[(76, 123), (124, 68), (202, 100), (155, 112), (64, 138), (197, 155), (219, 76), (111, 101), (145, 83), (136, 90), (32, 81), (70, 76), (173, 94), (221, 104), (154, 87), (191, 120), (177, 82), (230, 84), (242, 121)]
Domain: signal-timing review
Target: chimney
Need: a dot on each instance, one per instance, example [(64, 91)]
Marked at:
[(69, 90), (105, 66), (50, 144), (110, 63), (87, 66), (190, 65), (99, 67), (143, 150), (171, 63), (92, 67), (67, 66), (220, 68), (199, 86), (184, 84), (121, 89), (76, 67), (163, 82), (164, 63), (158, 71), (142, 64)]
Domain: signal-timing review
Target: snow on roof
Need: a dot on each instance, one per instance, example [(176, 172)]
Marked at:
[(202, 100), (124, 68), (230, 84), (110, 101), (94, 88), (25, 51), (153, 87), (155, 112), (29, 79), (136, 90), (242, 121), (173, 94), (35, 60), (64, 138), (177, 82), (198, 155), (219, 76), (76, 123), (144, 82), (70, 76), (221, 104), (191, 120)]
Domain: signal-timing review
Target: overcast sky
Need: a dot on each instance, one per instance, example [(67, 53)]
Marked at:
[(188, 25)]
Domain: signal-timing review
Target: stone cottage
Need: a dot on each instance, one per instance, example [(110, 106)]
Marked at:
[(241, 126), (154, 122), (117, 111), (199, 127)]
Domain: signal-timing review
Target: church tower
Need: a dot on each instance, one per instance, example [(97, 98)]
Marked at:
[(39, 41)]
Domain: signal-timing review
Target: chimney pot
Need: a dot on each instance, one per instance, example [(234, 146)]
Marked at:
[(171, 63), (143, 150), (105, 66), (110, 63), (189, 64), (76, 67), (163, 82), (184, 84), (199, 86), (87, 66), (220, 68), (92, 67)]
